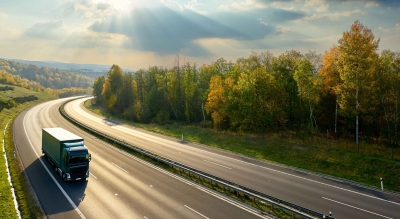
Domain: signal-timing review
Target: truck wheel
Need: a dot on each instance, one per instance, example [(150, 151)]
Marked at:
[(55, 168), (63, 176)]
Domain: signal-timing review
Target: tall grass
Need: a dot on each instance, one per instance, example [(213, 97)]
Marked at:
[(28, 206)]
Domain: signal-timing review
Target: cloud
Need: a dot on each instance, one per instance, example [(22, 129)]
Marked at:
[(90, 39), (244, 5), (167, 31), (319, 5), (394, 29), (333, 16), (371, 4), (92, 9), (281, 15), (281, 29), (3, 16), (103, 6), (49, 30)]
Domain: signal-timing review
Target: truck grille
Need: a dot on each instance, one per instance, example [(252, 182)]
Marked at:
[(78, 172)]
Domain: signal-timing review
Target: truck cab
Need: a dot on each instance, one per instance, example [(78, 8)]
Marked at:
[(76, 160)]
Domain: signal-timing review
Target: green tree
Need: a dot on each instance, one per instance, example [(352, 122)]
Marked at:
[(309, 85), (356, 64), (189, 90), (98, 89), (115, 79)]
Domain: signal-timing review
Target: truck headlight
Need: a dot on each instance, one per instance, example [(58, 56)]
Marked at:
[(68, 176)]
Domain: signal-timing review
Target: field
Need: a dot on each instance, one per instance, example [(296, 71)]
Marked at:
[(14, 101), (339, 158)]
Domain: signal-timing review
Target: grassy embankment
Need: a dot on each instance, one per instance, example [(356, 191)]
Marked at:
[(339, 158), (25, 197)]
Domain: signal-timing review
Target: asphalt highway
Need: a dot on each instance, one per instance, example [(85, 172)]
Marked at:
[(313, 191), (119, 186)]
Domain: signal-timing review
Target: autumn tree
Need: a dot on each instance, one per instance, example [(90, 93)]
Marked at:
[(216, 100), (357, 62), (331, 77), (108, 97)]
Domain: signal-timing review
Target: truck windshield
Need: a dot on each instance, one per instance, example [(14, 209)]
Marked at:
[(75, 159)]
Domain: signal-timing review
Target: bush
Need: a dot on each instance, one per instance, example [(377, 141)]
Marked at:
[(162, 117)]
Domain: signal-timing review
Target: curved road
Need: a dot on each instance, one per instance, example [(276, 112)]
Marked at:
[(119, 186), (315, 192)]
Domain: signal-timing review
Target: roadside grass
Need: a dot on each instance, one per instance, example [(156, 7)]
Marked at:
[(339, 158), (25, 196)]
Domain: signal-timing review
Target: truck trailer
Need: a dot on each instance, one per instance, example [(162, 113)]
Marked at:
[(66, 152)]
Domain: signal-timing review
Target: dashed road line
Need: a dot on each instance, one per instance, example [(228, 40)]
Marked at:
[(196, 211), (217, 164), (93, 175), (355, 207), (119, 167)]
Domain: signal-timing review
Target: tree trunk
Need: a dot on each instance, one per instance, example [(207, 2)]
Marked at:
[(358, 146), (336, 113), (202, 109), (311, 114)]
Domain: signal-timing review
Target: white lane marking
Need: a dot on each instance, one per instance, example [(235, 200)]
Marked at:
[(93, 175), (119, 167), (299, 177), (201, 188), (356, 208), (310, 180), (217, 164), (48, 171), (196, 211)]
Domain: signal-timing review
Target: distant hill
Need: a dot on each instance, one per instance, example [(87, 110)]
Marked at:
[(53, 78), (82, 68)]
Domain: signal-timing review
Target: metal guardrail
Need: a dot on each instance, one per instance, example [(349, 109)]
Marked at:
[(239, 189)]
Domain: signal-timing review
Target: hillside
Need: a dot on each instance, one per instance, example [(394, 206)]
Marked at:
[(91, 70), (13, 100), (47, 77)]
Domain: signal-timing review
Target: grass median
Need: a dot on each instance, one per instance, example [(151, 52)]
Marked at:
[(339, 158), (28, 206)]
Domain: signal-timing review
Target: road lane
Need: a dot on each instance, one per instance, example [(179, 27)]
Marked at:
[(291, 185), (115, 193)]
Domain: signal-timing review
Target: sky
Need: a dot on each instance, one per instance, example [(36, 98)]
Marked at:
[(141, 33)]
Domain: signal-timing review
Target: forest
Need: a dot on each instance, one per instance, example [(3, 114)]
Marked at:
[(55, 82), (47, 77), (349, 92)]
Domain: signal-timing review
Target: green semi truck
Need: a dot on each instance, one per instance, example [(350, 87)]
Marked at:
[(66, 152)]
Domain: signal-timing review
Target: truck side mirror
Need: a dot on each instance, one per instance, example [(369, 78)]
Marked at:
[(90, 157)]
